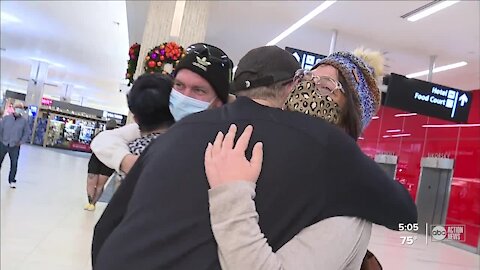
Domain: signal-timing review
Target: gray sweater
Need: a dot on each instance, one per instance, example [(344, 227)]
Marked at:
[(14, 131), (333, 243)]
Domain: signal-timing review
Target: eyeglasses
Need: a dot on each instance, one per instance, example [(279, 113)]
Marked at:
[(323, 84)]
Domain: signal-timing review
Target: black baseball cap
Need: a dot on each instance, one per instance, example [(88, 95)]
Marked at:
[(264, 66)]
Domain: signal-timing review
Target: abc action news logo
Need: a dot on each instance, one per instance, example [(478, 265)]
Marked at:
[(448, 232)]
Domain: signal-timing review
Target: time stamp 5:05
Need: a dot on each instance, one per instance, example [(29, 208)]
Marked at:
[(408, 227)]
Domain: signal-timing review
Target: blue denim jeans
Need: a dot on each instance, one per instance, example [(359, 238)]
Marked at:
[(13, 152)]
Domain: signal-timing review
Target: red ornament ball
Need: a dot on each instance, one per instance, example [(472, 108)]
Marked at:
[(151, 64)]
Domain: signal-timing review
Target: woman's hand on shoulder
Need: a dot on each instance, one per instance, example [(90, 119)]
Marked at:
[(225, 161)]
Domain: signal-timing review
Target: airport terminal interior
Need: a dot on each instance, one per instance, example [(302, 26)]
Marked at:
[(70, 65)]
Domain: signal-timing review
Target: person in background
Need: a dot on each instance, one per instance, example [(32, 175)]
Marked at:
[(148, 100), (14, 131), (342, 89), (98, 174), (202, 80)]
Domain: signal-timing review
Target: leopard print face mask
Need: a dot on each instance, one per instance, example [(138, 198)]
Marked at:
[(305, 99)]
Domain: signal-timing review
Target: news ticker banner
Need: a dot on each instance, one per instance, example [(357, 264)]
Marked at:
[(434, 233)]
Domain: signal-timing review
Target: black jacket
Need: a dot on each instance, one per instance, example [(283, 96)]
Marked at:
[(159, 219)]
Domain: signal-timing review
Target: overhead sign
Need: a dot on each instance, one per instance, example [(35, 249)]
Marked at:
[(306, 59), (428, 98), (121, 119), (112, 115)]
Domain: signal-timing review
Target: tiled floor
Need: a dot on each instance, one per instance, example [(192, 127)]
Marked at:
[(44, 226)]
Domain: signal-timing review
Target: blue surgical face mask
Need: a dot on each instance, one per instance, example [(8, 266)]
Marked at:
[(18, 111), (181, 105)]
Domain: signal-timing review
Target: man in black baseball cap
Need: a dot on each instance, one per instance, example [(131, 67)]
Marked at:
[(167, 223), (262, 67)]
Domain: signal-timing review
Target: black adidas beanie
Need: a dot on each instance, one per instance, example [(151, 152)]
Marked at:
[(210, 63)]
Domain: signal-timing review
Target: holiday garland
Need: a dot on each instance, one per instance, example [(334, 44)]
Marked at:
[(132, 62), (164, 58)]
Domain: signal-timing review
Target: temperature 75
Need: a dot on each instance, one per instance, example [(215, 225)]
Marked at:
[(408, 240)]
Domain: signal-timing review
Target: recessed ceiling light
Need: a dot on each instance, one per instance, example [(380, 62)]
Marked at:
[(404, 114), (427, 10), (302, 21), (177, 18), (437, 69), (451, 125), (46, 61), (8, 18)]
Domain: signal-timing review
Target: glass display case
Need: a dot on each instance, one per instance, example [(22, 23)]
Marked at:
[(70, 132), (55, 133)]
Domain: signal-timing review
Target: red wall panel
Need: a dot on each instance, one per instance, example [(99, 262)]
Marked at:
[(407, 137)]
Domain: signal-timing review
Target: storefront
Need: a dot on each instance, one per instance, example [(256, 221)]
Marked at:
[(68, 126), (61, 124)]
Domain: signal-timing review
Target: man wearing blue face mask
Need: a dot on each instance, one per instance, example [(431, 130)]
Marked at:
[(14, 131), (201, 82)]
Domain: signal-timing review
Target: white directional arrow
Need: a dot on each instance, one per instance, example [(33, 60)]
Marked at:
[(463, 99), (296, 56)]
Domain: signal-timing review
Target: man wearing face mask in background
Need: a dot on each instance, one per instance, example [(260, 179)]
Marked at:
[(14, 131), (202, 81)]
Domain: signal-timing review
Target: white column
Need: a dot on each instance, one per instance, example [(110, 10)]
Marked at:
[(184, 22), (164, 28), (38, 75)]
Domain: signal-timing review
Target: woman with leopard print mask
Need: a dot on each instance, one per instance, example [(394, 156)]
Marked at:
[(340, 89)]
